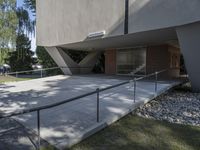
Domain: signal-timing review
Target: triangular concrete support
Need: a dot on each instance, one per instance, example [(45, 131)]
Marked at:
[(73, 66), (59, 60), (68, 65), (87, 64)]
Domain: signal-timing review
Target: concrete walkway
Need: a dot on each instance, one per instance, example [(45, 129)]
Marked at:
[(68, 124)]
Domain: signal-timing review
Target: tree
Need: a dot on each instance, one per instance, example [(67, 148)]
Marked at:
[(25, 24), (8, 26), (31, 5), (21, 59), (13, 22)]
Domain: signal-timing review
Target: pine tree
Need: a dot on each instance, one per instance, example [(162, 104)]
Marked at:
[(22, 58), (25, 24)]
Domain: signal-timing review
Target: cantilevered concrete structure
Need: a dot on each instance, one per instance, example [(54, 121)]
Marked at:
[(135, 35)]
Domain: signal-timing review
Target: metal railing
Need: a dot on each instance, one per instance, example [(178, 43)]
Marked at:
[(97, 92), (42, 71), (16, 74)]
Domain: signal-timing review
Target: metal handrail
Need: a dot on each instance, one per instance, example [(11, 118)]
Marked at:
[(45, 69), (97, 91), (36, 70), (41, 70)]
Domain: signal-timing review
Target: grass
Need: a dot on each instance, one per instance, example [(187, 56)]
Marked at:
[(136, 133), (5, 79)]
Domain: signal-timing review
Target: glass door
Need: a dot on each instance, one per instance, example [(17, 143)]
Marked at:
[(131, 61)]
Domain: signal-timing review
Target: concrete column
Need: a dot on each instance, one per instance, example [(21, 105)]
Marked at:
[(189, 40)]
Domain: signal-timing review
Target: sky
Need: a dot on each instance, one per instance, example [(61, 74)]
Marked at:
[(32, 38)]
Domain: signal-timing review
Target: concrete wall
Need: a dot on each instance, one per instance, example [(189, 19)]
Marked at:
[(189, 39), (68, 21), (147, 15)]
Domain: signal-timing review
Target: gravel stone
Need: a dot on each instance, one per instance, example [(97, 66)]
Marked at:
[(175, 107)]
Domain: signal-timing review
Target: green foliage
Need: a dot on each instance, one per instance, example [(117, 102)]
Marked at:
[(100, 65), (25, 24), (3, 55), (30, 4), (8, 23), (21, 59), (23, 45), (184, 87), (8, 26), (182, 66), (13, 21)]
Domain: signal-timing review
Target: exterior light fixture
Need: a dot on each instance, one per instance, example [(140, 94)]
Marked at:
[(96, 34)]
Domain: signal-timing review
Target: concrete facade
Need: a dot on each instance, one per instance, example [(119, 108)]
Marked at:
[(66, 21), (67, 24), (190, 46)]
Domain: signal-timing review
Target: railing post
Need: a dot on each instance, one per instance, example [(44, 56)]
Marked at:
[(41, 75), (38, 128), (134, 93), (156, 82), (97, 104)]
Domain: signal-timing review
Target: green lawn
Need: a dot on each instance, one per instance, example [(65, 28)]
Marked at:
[(136, 133), (4, 79)]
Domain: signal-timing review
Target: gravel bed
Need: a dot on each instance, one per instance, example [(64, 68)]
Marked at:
[(176, 106)]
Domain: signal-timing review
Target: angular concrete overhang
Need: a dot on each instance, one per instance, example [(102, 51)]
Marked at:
[(153, 37)]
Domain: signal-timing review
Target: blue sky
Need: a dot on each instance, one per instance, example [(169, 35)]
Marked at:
[(33, 40)]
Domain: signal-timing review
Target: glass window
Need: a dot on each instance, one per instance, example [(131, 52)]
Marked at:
[(131, 61)]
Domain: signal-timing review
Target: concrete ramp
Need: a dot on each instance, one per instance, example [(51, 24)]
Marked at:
[(70, 123)]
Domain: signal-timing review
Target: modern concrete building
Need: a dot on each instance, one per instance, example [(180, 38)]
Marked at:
[(136, 36)]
